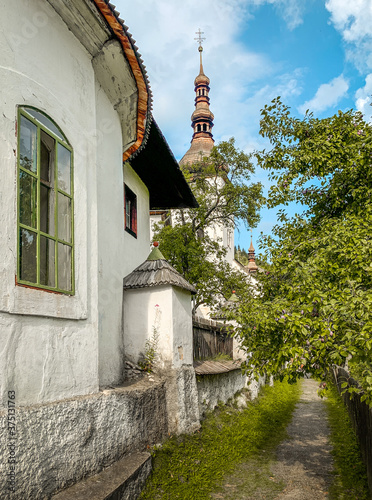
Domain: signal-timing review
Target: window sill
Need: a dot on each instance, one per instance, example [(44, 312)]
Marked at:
[(131, 232), (30, 301)]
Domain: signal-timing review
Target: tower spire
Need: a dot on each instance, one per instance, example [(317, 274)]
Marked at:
[(252, 266), (202, 140), (200, 40)]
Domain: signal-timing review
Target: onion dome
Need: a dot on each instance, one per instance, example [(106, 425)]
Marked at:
[(202, 118)]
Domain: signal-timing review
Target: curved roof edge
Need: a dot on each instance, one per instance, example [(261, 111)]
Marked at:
[(156, 272), (135, 61)]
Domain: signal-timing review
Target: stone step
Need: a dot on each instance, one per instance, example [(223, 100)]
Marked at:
[(123, 480)]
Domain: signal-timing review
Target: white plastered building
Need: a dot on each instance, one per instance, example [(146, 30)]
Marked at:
[(83, 162)]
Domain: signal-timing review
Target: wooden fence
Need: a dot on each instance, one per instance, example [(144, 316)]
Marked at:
[(210, 338), (361, 416)]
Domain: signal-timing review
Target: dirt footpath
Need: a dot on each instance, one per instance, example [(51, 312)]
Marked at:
[(304, 461), (303, 466)]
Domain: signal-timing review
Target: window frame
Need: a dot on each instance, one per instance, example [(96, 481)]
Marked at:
[(129, 194), (23, 111)]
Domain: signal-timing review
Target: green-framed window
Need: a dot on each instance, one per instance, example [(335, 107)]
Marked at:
[(45, 204)]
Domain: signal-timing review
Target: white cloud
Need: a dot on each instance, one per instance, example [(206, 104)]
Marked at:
[(353, 18), (327, 95), (290, 10), (242, 80), (165, 33), (363, 99)]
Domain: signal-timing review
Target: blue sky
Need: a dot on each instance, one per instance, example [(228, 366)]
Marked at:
[(316, 54)]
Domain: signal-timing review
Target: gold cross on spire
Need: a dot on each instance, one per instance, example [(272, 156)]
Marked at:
[(200, 39)]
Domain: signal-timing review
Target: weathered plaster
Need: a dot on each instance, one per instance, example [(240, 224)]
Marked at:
[(182, 327), (213, 389), (48, 341), (44, 360), (118, 83), (182, 400), (58, 444), (165, 309), (53, 345)]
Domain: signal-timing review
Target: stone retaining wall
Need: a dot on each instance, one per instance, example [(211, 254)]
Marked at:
[(220, 387), (216, 388), (58, 444)]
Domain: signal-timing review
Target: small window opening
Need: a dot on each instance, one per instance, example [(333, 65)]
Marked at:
[(200, 233), (130, 211), (166, 218)]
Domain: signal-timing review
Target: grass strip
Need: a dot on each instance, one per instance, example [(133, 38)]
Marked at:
[(191, 466), (350, 480)]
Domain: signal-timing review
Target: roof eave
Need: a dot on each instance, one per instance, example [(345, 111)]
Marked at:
[(136, 64), (157, 167)]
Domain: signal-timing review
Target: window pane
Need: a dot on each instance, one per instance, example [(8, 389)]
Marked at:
[(27, 256), (64, 218), (64, 169), (127, 213), (47, 201), (28, 145), (47, 260), (47, 158), (130, 211), (45, 121), (64, 267), (27, 202)]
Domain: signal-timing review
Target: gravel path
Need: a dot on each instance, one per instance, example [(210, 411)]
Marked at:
[(303, 466), (304, 460)]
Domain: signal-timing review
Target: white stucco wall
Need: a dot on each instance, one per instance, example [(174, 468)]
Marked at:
[(168, 310), (119, 251), (53, 345), (154, 219), (182, 328), (49, 341), (137, 249), (221, 232)]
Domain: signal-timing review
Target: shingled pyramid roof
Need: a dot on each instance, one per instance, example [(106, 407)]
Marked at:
[(156, 271)]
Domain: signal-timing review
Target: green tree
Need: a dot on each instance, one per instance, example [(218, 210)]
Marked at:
[(221, 184), (315, 304)]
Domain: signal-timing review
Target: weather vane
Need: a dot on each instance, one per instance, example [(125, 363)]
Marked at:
[(200, 39)]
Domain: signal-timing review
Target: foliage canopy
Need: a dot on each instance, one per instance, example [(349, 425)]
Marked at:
[(221, 184), (315, 303)]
